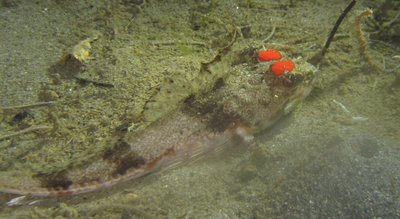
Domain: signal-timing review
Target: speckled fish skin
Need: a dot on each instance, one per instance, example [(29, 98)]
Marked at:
[(244, 101)]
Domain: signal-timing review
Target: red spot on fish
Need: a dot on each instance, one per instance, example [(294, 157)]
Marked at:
[(269, 55), (280, 67)]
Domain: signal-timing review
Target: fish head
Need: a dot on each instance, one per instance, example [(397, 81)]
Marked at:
[(255, 97)]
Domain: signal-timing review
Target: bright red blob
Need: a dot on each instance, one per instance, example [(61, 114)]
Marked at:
[(269, 55), (280, 67)]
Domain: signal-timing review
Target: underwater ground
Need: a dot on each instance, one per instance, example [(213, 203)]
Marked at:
[(95, 64)]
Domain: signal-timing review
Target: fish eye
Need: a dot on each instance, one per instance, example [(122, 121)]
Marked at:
[(292, 80)]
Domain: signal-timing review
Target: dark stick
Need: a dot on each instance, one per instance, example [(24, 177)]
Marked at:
[(95, 83), (316, 59)]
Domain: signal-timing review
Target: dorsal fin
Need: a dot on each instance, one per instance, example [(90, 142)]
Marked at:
[(166, 97), (178, 87)]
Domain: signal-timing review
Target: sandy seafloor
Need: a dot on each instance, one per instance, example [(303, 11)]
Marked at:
[(320, 161)]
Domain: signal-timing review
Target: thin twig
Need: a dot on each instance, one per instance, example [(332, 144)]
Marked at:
[(27, 105), (174, 42), (270, 35), (30, 129), (133, 16)]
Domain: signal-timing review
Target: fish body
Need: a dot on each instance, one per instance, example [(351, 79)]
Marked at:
[(243, 99)]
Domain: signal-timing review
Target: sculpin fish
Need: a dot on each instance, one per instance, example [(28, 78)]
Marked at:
[(243, 98)]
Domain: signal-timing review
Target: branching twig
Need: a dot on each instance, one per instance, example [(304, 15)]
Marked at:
[(361, 40)]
